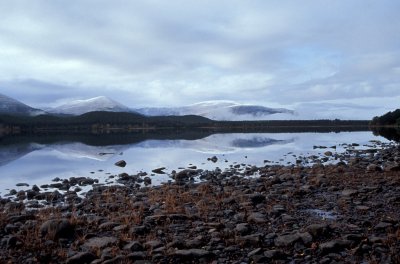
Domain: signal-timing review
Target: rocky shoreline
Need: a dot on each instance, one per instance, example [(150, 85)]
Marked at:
[(347, 212)]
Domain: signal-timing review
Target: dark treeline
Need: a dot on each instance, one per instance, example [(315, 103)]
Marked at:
[(387, 125), (389, 119)]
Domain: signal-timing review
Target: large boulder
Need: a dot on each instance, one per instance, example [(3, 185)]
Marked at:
[(57, 228)]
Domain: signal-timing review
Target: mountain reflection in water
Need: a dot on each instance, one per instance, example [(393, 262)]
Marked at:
[(212, 144), (39, 159)]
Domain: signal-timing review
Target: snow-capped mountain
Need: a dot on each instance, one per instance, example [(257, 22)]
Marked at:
[(80, 107), (9, 105), (219, 110)]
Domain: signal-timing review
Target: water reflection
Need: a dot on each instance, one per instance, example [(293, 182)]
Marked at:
[(37, 160), (388, 132), (9, 153), (257, 142)]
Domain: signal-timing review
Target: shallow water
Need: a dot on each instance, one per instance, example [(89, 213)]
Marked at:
[(38, 163)]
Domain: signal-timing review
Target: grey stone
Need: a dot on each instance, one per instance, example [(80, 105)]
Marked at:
[(334, 246), (318, 230), (373, 168), (242, 229), (108, 225), (57, 228), (213, 159), (139, 255), (257, 198), (121, 163), (100, 242), (159, 170), (382, 226), (153, 244), (82, 257), (290, 239), (250, 240), (274, 254), (392, 167), (147, 180), (349, 192), (256, 251), (134, 246), (192, 253), (257, 218)]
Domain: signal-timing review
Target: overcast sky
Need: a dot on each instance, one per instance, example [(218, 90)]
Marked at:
[(178, 52)]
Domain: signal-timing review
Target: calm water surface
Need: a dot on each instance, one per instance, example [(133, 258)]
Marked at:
[(35, 163)]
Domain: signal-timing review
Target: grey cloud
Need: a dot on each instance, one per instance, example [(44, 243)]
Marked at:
[(177, 52)]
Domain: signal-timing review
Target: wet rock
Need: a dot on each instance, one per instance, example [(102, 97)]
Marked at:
[(242, 229), (137, 256), (257, 198), (328, 153), (274, 254), (87, 181), (10, 228), (362, 208), (139, 230), (256, 251), (153, 244), (12, 192), (192, 253), (30, 194), (108, 225), (147, 180), (213, 159), (159, 170), (57, 228), (334, 246), (194, 243), (392, 167), (99, 242), (250, 240), (121, 163), (82, 257), (22, 184), (134, 246), (56, 185), (117, 259), (319, 230), (349, 192), (290, 239), (9, 242), (373, 168), (184, 174), (259, 259), (258, 218), (278, 209), (383, 226)]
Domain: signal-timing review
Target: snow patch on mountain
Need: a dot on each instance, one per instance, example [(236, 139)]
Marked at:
[(219, 110), (100, 103)]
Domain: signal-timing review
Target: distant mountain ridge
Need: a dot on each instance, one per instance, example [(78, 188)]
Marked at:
[(215, 110), (100, 103), (9, 105)]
